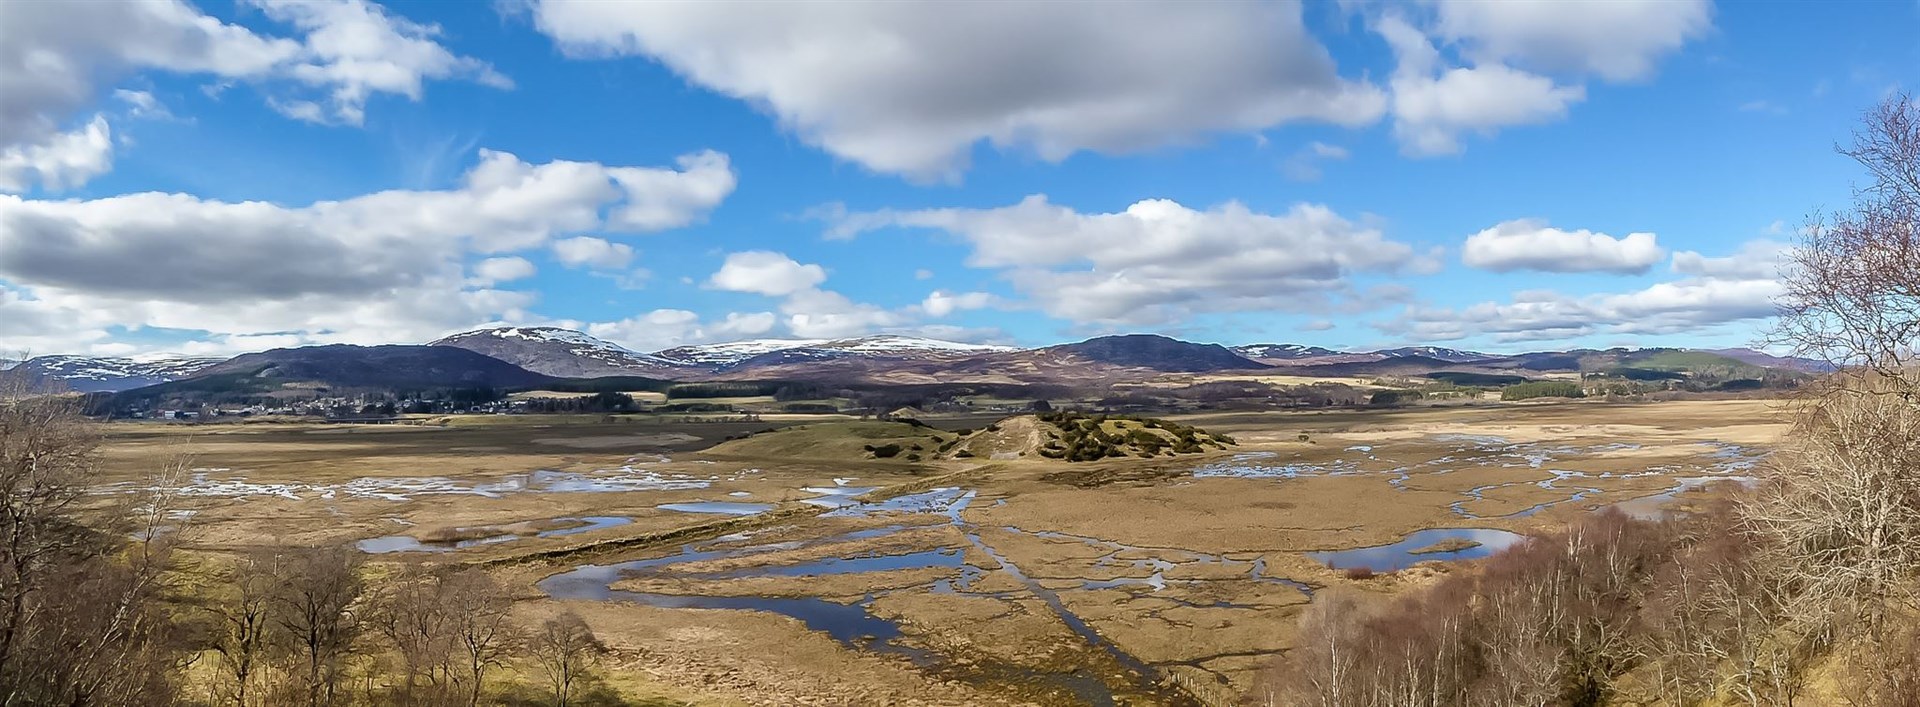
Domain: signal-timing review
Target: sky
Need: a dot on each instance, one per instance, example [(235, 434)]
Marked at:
[(1502, 176)]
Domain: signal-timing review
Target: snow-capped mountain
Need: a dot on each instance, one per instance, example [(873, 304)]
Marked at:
[(718, 355), (90, 374), (887, 344), (1436, 352), (560, 352), (1283, 352), (780, 351)]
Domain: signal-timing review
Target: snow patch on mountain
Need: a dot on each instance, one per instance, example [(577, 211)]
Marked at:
[(1283, 351), (92, 374), (796, 350)]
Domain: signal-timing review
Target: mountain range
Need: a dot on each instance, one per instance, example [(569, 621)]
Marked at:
[(508, 357)]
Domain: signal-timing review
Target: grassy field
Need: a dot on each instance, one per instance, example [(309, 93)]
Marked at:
[(996, 581)]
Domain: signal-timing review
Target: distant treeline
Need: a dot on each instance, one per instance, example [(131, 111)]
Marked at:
[(1542, 389)]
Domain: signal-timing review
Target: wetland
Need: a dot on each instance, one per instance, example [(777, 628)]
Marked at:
[(723, 576)]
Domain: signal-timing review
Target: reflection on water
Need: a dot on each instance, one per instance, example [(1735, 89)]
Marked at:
[(854, 624), (205, 483), (408, 543), (1655, 507), (731, 508), (1404, 554)]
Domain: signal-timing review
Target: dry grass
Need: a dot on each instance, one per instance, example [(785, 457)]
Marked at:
[(1210, 623)]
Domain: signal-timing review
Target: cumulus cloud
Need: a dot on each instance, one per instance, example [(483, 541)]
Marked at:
[(912, 88), (1433, 104), (64, 161), (494, 270), (767, 273), (590, 252), (1530, 244), (940, 303), (824, 314), (52, 54), (353, 49), (382, 267), (1615, 39), (1159, 261), (1717, 291)]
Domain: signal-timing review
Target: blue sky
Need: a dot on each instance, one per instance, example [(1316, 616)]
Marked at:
[(223, 177)]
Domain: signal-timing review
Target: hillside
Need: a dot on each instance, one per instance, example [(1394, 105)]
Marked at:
[(713, 356), (561, 353), (343, 366), (1080, 437), (842, 441), (1154, 352), (88, 374)]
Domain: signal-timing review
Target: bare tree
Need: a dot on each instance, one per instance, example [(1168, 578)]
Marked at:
[(241, 637), (1843, 506), (1853, 281), (313, 614), (46, 457), (408, 613), (566, 650), (481, 625)]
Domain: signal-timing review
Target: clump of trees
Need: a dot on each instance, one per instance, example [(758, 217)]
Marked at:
[(1542, 389), (1804, 590), (302, 626), (1393, 397)]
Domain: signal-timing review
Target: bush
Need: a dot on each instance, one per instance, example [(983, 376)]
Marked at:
[(884, 451)]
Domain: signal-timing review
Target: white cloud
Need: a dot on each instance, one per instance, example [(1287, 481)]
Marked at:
[(354, 48), (1316, 325), (1433, 104), (940, 303), (1617, 40), (65, 161), (587, 251), (1530, 244), (1159, 261), (376, 268), (912, 88), (923, 274), (53, 53), (1757, 260), (675, 197), (767, 273), (1718, 291), (823, 314), (493, 270), (142, 104)]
